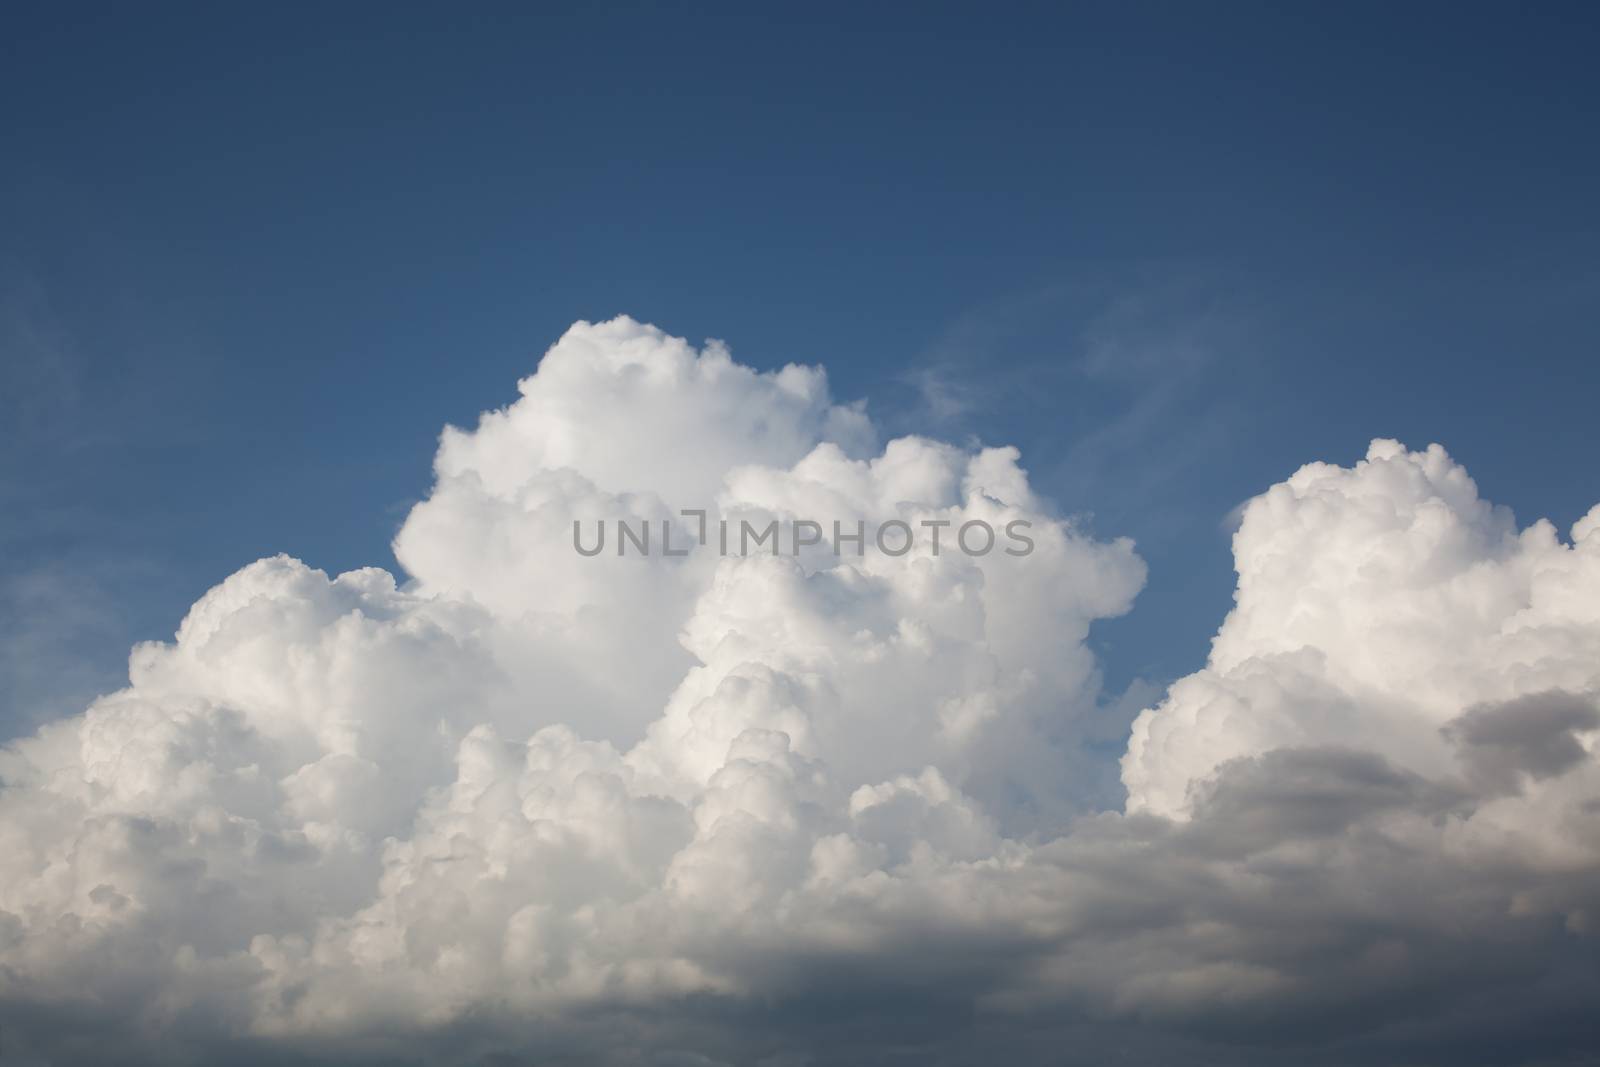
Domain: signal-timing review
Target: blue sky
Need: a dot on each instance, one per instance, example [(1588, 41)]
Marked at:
[(254, 258)]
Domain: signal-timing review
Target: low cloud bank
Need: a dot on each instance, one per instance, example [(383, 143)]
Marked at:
[(530, 806)]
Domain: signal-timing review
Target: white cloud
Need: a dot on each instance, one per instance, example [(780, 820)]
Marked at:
[(635, 808), (1375, 604)]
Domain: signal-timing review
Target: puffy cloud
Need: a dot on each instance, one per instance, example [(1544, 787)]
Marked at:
[(800, 807), (1375, 603)]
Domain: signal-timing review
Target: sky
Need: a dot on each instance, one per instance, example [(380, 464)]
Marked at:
[(254, 260)]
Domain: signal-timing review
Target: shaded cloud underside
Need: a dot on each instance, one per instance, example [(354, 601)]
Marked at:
[(528, 807)]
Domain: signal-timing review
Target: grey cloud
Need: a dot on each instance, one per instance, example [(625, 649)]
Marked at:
[(1506, 744)]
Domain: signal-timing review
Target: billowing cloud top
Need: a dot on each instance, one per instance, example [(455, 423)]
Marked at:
[(791, 808), (1374, 605)]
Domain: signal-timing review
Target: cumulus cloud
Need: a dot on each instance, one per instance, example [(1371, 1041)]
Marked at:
[(1378, 603), (790, 808)]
